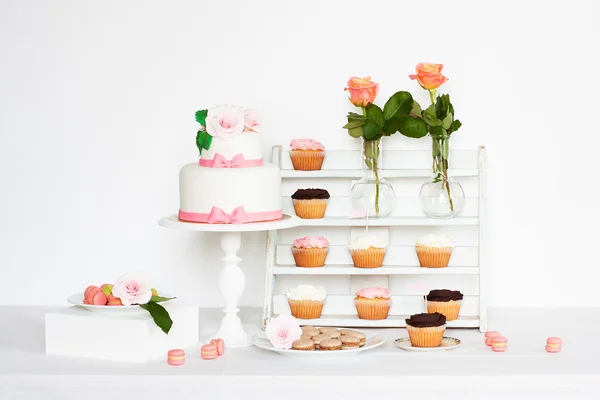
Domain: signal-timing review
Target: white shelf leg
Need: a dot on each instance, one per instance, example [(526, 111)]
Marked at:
[(231, 283)]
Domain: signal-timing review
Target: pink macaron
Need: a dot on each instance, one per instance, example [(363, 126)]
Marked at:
[(553, 344), (489, 336), (220, 345), (209, 351), (176, 357), (499, 344), (95, 297)]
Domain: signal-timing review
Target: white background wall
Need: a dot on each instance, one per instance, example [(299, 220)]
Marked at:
[(97, 102)]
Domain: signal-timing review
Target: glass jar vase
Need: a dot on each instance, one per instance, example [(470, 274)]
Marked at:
[(372, 196), (441, 196)]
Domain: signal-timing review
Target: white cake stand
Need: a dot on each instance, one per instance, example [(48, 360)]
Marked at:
[(232, 280)]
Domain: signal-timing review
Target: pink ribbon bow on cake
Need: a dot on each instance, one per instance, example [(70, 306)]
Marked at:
[(237, 161), (237, 216)]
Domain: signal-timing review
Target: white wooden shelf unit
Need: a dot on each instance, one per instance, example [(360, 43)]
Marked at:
[(401, 274)]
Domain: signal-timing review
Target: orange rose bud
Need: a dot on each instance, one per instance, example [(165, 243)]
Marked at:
[(429, 75), (362, 91)]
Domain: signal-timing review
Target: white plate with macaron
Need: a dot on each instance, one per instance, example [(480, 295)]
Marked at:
[(260, 340)]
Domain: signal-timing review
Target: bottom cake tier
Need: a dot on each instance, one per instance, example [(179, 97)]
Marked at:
[(229, 195)]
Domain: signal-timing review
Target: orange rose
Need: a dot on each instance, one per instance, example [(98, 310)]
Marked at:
[(362, 91), (429, 76)]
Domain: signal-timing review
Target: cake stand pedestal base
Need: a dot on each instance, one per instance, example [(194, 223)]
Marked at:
[(231, 281)]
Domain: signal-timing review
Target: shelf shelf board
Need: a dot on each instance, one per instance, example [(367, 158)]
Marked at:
[(358, 173), (390, 221), (385, 270), (392, 321)]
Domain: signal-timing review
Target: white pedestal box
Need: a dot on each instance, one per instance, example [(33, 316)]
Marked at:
[(78, 332)]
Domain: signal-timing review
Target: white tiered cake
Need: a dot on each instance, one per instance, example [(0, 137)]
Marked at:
[(231, 183)]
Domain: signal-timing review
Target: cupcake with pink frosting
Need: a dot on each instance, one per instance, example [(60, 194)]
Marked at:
[(310, 251), (307, 154), (373, 303)]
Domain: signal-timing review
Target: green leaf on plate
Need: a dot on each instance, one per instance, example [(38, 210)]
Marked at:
[(160, 316), (156, 299)]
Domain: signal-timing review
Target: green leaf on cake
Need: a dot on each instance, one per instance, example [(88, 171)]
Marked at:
[(398, 106), (375, 115), (201, 117), (156, 299), (413, 127), (203, 140), (160, 316)]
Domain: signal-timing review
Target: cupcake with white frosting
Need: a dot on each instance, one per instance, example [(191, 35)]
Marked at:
[(434, 251), (368, 251), (306, 301)]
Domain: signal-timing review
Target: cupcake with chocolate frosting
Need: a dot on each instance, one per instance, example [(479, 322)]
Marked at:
[(310, 203), (444, 301), (307, 154), (310, 251), (426, 329)]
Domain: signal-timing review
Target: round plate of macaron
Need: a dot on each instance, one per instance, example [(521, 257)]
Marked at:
[(108, 298), (323, 342)]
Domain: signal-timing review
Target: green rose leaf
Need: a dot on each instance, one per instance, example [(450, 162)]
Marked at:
[(398, 106), (442, 106), (352, 116), (438, 133), (201, 117), (371, 149), (391, 126), (430, 117), (354, 124), (445, 148), (371, 131), (413, 127), (416, 110), (356, 132), (160, 316), (375, 115), (447, 121), (454, 127), (156, 299)]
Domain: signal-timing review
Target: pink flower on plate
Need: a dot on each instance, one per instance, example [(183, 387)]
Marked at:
[(132, 288), (283, 331), (224, 121), (252, 121)]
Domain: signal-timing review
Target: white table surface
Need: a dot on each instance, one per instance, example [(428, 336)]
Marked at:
[(525, 370)]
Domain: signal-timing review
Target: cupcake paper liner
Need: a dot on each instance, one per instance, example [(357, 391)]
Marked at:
[(307, 160), (450, 309), (372, 309), (306, 309), (433, 257), (310, 209), (369, 258), (426, 337), (310, 258)]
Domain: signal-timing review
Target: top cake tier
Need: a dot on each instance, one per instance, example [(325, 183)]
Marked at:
[(240, 151)]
